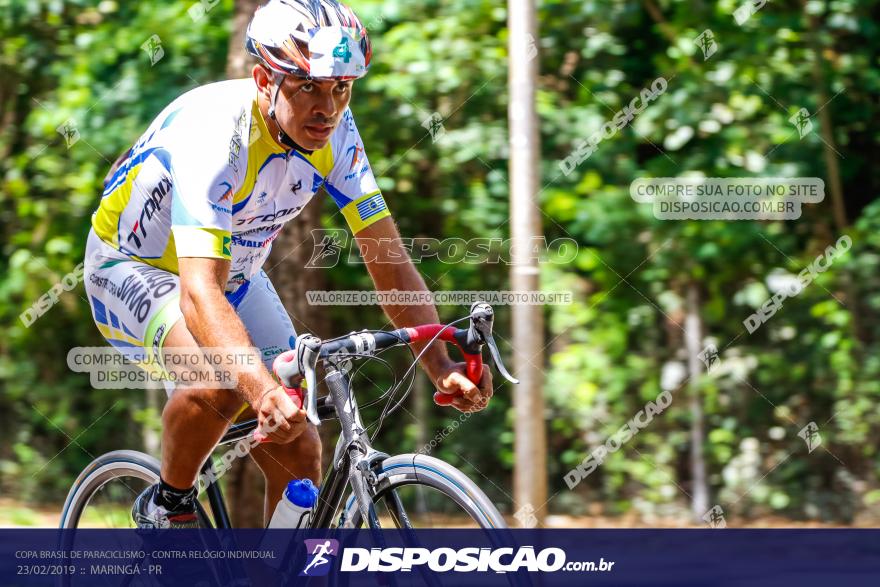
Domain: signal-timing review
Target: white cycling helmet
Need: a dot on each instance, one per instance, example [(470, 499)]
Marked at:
[(316, 39)]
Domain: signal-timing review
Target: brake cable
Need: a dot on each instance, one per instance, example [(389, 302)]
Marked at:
[(386, 411)]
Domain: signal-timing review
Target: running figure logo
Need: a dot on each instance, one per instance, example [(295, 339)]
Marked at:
[(328, 249), (706, 43), (801, 121), (321, 553)]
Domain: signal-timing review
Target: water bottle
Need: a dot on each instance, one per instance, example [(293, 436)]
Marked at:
[(295, 506)]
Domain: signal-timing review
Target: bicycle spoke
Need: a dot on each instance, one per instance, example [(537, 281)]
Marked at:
[(110, 505)]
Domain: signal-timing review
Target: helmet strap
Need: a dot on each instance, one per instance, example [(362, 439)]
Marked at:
[(283, 137)]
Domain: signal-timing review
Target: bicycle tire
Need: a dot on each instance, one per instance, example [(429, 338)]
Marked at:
[(105, 468), (418, 469)]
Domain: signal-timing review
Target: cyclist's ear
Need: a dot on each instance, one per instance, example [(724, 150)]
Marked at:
[(264, 80)]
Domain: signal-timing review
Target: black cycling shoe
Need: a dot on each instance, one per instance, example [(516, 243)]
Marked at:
[(147, 514)]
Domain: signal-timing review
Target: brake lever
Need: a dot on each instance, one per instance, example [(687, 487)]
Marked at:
[(496, 358), (308, 350), (482, 319)]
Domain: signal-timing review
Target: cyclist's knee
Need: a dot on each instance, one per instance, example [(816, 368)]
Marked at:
[(305, 447), (302, 455), (307, 451), (309, 443)]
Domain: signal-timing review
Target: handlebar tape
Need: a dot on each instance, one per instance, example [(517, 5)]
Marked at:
[(473, 362)]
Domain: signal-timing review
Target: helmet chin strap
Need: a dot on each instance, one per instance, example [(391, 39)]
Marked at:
[(283, 137)]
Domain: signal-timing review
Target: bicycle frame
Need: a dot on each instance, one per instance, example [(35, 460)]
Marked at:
[(354, 463)]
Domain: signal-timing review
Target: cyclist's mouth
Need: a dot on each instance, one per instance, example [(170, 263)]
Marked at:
[(319, 132)]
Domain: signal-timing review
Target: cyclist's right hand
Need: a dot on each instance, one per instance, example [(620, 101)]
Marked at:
[(279, 418)]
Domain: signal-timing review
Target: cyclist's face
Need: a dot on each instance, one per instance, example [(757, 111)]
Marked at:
[(310, 110)]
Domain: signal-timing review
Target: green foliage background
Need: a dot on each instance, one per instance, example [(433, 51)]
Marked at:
[(728, 116)]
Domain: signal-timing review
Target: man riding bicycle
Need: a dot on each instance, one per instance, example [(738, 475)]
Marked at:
[(186, 221)]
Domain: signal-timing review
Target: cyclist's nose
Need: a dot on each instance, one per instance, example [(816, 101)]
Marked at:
[(324, 105)]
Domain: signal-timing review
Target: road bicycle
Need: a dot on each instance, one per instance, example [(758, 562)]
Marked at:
[(363, 488)]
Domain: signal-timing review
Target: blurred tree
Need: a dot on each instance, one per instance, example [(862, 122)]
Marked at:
[(246, 484)]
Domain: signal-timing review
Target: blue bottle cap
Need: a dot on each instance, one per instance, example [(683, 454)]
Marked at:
[(302, 492)]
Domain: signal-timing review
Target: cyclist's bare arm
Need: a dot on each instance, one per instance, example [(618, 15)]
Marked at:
[(213, 323), (388, 272)]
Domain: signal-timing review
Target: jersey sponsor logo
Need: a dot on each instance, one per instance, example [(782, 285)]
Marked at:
[(349, 120), (227, 195), (295, 187), (152, 206), (103, 283), (234, 150), (242, 242), (226, 198), (237, 240), (270, 228), (359, 165), (235, 141), (158, 339), (135, 290), (268, 217), (363, 170), (158, 281), (237, 279), (271, 351), (356, 152)]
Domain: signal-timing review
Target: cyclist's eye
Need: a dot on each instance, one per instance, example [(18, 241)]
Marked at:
[(308, 88), (342, 88)]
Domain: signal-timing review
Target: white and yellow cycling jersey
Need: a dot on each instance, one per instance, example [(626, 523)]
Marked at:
[(207, 180)]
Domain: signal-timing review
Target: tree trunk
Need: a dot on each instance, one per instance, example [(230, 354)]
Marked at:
[(238, 61), (838, 208), (291, 252), (832, 166), (530, 443), (245, 486), (693, 335)]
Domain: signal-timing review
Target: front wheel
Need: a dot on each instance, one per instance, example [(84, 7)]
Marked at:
[(419, 491)]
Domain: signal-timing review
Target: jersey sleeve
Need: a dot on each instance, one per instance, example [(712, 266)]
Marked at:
[(350, 182), (207, 169)]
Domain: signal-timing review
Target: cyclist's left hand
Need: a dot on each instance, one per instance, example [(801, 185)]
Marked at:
[(467, 397)]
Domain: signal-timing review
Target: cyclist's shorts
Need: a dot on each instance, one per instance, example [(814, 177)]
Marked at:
[(134, 305)]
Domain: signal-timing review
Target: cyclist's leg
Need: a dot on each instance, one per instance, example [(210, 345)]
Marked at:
[(272, 332), (136, 307), (194, 419), (280, 463)]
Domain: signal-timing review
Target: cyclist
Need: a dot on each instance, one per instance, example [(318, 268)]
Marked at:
[(187, 218)]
